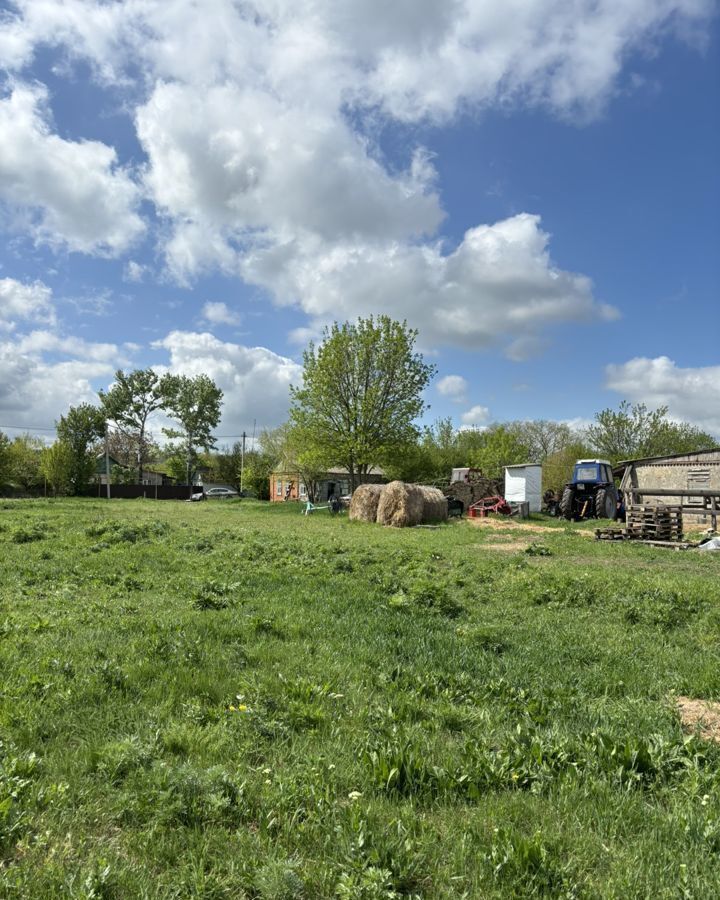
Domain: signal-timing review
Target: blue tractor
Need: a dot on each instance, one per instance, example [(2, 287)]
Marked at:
[(591, 493)]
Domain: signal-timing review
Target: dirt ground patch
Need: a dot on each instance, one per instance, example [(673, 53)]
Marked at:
[(517, 524), (702, 716), (508, 546)]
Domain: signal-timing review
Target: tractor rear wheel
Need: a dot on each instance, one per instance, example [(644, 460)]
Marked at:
[(567, 503), (605, 504)]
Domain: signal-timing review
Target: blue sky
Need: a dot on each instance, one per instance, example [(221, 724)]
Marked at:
[(202, 186)]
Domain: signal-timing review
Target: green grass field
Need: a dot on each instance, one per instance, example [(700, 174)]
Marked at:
[(228, 700)]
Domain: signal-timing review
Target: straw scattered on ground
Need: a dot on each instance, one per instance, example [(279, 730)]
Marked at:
[(701, 717)]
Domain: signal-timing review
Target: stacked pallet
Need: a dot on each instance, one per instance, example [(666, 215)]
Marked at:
[(610, 534), (654, 523)]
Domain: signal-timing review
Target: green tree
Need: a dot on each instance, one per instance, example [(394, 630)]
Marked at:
[(79, 429), (123, 447), (501, 446), (129, 403), (24, 464), (361, 394), (256, 477), (558, 467), (57, 466), (633, 432), (225, 465), (5, 459), (291, 453), (677, 437), (194, 403), (543, 437)]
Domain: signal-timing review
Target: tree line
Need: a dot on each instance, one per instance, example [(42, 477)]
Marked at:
[(358, 407), (121, 415)]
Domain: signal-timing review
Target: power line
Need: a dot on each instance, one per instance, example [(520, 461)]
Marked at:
[(218, 437), (28, 427)]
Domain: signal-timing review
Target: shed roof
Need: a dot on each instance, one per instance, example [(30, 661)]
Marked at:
[(670, 456)]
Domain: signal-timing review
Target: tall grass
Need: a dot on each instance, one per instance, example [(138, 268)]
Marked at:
[(233, 700)]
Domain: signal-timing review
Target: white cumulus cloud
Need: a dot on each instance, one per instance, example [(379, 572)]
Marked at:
[(452, 386), (255, 381), (498, 286), (69, 194), (690, 394), (261, 121), (36, 390), (220, 314), (24, 302), (475, 417)]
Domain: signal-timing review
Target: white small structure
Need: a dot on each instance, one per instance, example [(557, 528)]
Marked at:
[(523, 483)]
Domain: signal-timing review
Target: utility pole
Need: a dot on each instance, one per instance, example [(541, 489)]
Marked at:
[(107, 461), (242, 461)]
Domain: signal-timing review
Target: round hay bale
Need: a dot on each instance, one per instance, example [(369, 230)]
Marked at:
[(435, 507), (401, 505), (364, 502)]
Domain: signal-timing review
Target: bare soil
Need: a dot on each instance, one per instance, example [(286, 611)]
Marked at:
[(500, 524), (700, 716)]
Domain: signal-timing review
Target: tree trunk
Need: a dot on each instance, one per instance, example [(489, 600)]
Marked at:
[(353, 476), (140, 455)]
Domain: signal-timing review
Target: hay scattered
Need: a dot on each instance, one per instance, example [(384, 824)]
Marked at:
[(435, 508), (401, 505), (701, 717), (364, 502)]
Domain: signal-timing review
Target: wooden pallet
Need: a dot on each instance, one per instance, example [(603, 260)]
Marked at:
[(655, 523), (610, 534)]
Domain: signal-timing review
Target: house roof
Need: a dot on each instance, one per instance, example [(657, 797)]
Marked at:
[(338, 472), (100, 463)]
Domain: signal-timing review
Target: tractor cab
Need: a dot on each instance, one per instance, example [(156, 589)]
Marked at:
[(592, 491), (592, 471)]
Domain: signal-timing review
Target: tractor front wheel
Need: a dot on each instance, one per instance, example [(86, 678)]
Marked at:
[(567, 503), (605, 503)]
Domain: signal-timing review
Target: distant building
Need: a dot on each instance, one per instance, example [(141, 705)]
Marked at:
[(289, 485), (152, 475), (687, 473)]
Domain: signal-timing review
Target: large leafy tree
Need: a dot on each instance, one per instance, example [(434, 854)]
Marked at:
[(129, 403), (79, 429), (5, 458), (501, 446), (57, 466), (361, 394), (225, 465), (194, 404), (25, 453), (635, 431)]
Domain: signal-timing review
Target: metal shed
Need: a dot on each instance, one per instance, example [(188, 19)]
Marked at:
[(523, 483)]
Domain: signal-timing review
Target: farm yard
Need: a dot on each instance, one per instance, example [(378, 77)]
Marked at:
[(233, 700)]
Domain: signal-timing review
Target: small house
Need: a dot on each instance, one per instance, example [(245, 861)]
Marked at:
[(523, 484), (289, 484)]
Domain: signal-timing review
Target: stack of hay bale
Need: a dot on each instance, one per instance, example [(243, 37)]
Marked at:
[(398, 504)]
